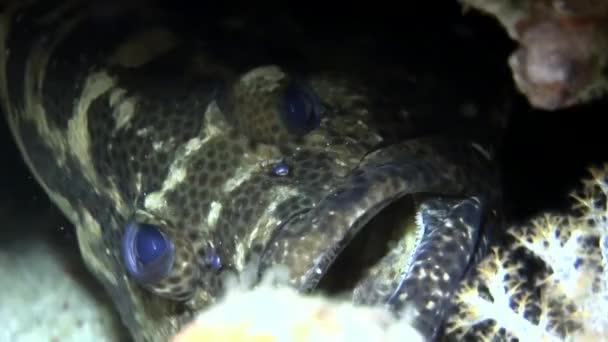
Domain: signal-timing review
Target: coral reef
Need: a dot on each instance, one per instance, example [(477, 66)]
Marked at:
[(550, 283), (563, 55)]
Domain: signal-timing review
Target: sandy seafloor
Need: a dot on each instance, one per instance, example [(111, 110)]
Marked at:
[(46, 294)]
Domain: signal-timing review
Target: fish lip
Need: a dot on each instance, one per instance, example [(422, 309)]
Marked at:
[(309, 243)]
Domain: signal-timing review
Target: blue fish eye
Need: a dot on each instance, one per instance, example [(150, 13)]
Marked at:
[(301, 109), (147, 253), (150, 244)]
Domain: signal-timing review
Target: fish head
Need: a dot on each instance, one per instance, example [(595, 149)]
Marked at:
[(284, 172)]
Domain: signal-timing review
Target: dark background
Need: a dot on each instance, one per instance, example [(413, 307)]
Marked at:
[(543, 156)]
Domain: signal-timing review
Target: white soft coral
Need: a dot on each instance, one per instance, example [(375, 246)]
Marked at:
[(551, 283)]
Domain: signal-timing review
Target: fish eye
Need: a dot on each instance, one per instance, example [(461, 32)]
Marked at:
[(160, 260), (148, 254), (301, 109)]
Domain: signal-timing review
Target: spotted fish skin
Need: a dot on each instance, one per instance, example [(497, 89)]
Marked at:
[(134, 122)]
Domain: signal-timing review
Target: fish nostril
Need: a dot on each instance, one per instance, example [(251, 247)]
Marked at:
[(280, 169), (210, 258), (213, 261)]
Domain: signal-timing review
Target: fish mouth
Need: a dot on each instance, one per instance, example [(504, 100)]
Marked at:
[(378, 254), (364, 238)]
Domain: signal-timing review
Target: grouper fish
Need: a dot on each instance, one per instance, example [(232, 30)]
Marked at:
[(179, 166)]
